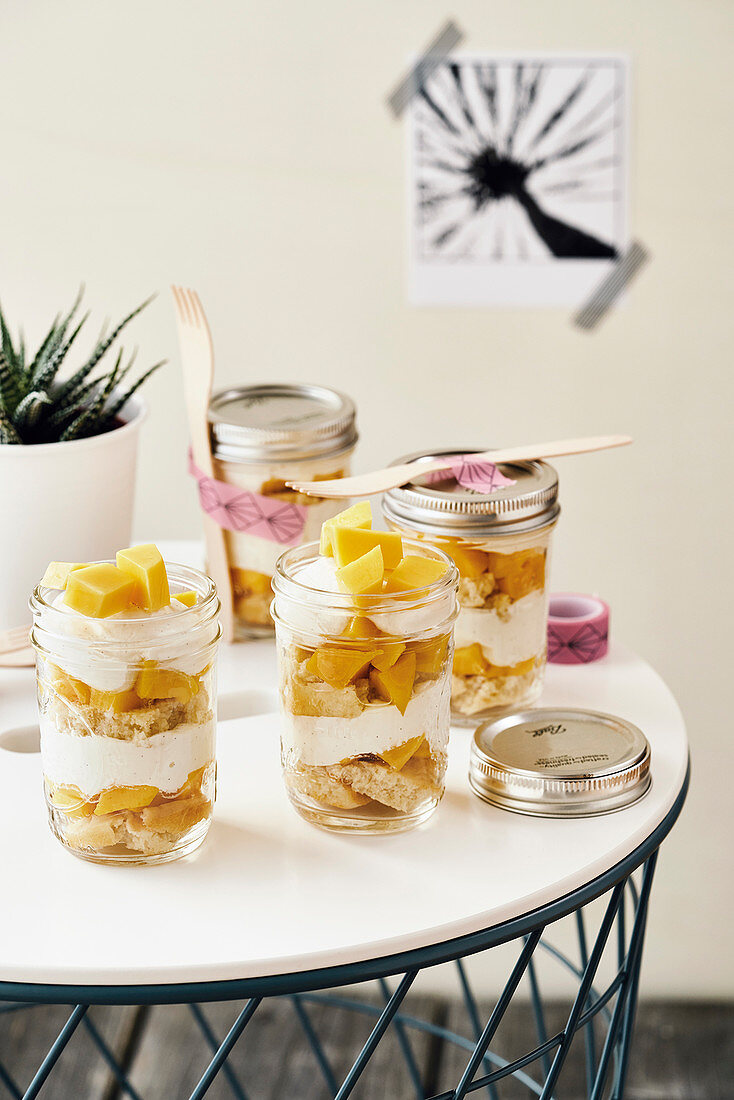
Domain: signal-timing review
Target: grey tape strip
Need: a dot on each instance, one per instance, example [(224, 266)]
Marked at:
[(448, 37), (612, 286)]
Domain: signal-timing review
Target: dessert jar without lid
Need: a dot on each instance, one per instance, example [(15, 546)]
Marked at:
[(263, 436), (127, 712), (500, 542), (357, 757)]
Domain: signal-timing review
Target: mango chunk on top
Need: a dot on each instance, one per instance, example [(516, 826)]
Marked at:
[(395, 684), (99, 590), (358, 515), (145, 565), (414, 572), (350, 543), (57, 573), (363, 576)]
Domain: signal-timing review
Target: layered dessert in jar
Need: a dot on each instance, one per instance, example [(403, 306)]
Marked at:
[(125, 655), (364, 634), (263, 436), (500, 543)]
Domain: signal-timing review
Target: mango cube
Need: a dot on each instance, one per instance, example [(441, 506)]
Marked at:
[(395, 684), (469, 660), (358, 515), (124, 798), (388, 655), (414, 572), (188, 599), (518, 574), (338, 667), (470, 563), (360, 627), (350, 543), (118, 702), (154, 682), (398, 757), (57, 573), (99, 590), (68, 687), (145, 565), (363, 575), (70, 801), (430, 655)]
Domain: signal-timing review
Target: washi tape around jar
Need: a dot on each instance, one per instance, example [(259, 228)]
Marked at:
[(578, 629)]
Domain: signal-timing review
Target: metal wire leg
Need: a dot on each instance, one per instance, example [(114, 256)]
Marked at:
[(224, 1050), (376, 1034), (234, 1084), (471, 1008), (315, 1044), (55, 1052), (110, 1059), (404, 1045), (589, 1029), (540, 1028)]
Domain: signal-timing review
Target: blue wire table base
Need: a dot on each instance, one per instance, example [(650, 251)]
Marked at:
[(601, 1019)]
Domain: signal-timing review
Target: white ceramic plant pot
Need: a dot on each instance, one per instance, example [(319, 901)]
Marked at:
[(68, 501)]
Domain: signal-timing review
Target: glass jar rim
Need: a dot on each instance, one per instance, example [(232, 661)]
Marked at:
[(187, 618)]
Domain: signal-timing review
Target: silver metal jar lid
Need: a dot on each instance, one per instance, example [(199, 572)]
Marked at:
[(280, 421), (559, 762), (446, 508)]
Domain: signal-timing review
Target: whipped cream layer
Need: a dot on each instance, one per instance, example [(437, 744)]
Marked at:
[(80, 643), (323, 741), (320, 574), (92, 764), (517, 636)]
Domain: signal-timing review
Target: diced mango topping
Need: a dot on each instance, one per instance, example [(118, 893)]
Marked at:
[(398, 757), (338, 667), (395, 684), (358, 515), (154, 682), (363, 576), (99, 590), (144, 564), (188, 599), (414, 572), (470, 563), (57, 573), (350, 543), (388, 655), (125, 798)]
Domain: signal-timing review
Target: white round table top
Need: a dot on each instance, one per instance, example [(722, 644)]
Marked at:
[(269, 894)]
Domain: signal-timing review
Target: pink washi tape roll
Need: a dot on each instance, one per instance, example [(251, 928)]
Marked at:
[(578, 629)]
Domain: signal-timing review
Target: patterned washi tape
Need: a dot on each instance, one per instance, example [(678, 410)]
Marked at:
[(435, 52), (578, 629), (240, 510)]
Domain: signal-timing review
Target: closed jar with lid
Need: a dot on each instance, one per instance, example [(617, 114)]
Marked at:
[(263, 436), (500, 542)]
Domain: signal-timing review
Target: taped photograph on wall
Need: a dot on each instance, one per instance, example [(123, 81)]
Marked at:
[(517, 179)]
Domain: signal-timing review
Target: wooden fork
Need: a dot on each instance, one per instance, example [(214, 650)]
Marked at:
[(197, 362)]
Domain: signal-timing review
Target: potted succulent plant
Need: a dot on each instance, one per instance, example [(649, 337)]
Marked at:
[(68, 451)]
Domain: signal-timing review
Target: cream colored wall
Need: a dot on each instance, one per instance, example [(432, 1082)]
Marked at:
[(246, 150)]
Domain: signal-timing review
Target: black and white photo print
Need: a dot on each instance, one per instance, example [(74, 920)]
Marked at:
[(518, 180)]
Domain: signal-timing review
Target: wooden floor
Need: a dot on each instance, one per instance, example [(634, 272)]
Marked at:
[(681, 1052)]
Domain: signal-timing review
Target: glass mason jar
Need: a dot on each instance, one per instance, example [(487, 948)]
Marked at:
[(500, 542), (127, 712), (365, 697), (263, 436)]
